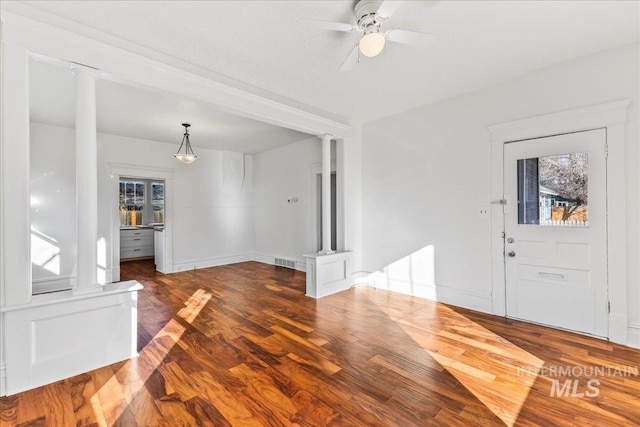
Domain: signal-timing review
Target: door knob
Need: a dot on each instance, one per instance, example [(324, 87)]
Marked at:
[(511, 254)]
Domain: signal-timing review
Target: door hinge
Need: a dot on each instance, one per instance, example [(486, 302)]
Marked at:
[(608, 307), (606, 151), (499, 202)]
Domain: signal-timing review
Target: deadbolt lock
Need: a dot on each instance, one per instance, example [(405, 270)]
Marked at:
[(510, 240)]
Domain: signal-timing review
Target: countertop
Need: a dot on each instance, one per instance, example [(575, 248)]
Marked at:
[(143, 227)]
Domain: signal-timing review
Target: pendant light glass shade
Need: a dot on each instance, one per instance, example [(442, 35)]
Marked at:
[(187, 155)]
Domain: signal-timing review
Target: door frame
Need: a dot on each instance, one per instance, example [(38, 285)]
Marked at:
[(612, 117), (316, 173), (120, 170), (567, 302)]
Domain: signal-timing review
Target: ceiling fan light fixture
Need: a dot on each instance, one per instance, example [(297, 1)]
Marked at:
[(372, 42), (187, 156)]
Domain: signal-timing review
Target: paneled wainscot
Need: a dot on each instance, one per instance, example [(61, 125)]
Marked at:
[(61, 334)]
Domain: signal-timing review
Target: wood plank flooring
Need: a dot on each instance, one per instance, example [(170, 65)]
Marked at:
[(241, 345)]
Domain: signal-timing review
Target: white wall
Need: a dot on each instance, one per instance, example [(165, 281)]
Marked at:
[(283, 229), (426, 176), (211, 225)]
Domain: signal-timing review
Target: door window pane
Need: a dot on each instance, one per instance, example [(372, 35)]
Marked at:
[(553, 190)]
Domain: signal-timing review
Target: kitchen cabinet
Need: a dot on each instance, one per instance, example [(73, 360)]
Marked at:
[(136, 243), (158, 241)]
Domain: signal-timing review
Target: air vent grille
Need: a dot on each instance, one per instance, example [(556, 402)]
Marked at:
[(286, 263)]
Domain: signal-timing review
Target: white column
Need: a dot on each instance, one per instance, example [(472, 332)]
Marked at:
[(86, 179), (326, 194), (15, 265)]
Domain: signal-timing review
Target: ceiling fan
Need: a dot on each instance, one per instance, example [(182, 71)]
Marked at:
[(370, 16)]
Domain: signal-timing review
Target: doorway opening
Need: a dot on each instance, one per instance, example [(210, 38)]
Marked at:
[(334, 210), (141, 217), (141, 212)]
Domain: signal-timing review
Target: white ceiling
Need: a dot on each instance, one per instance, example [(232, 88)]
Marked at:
[(150, 114), (266, 47)]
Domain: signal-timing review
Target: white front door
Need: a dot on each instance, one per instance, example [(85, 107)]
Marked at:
[(556, 232)]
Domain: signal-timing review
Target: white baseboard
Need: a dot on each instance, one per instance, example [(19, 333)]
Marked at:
[(633, 335), (465, 298), (361, 277), (618, 328), (446, 294), (210, 262), (270, 259), (168, 267), (51, 284), (109, 275), (3, 378), (115, 274), (265, 259), (233, 259)]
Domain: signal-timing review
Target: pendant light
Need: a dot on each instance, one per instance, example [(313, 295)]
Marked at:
[(187, 156)]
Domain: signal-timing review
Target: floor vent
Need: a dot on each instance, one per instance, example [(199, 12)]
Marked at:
[(287, 263)]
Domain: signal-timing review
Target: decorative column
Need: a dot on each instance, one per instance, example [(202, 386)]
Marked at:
[(326, 194), (86, 179), (15, 286)]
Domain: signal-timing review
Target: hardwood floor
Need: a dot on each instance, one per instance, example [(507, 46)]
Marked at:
[(241, 345)]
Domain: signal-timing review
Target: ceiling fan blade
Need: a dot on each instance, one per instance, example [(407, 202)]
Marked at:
[(388, 8), (327, 25), (350, 60), (413, 38)]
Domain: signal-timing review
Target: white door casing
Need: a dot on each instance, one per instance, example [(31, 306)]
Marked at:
[(557, 274), (613, 117)]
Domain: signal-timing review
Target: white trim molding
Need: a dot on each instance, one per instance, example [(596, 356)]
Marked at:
[(197, 264), (581, 119), (52, 284), (633, 336), (3, 379), (465, 298), (611, 116), (271, 260)]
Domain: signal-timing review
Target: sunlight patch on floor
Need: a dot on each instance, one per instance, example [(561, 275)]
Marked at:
[(140, 369), (194, 305), (483, 362)]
